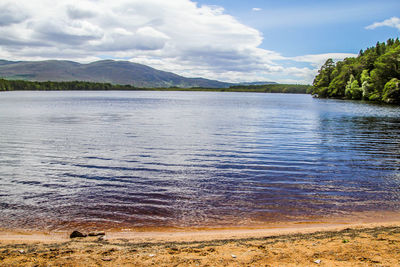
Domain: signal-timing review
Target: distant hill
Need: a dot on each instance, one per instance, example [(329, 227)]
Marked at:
[(104, 71)]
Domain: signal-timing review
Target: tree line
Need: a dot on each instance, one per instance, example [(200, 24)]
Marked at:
[(273, 88), (22, 85), (373, 75)]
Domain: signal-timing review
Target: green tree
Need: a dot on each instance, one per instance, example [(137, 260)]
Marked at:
[(353, 90), (324, 78), (372, 69), (391, 92), (366, 87)]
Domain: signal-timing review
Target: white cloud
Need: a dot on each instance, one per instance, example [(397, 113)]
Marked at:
[(319, 59), (77, 13), (178, 36), (11, 14), (256, 9), (392, 22)]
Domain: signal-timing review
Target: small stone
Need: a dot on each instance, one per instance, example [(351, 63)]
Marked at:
[(234, 256), (317, 261), (77, 234), (21, 251), (152, 255), (96, 233), (106, 259)]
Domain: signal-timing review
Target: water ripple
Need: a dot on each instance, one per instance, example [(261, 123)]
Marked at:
[(191, 159)]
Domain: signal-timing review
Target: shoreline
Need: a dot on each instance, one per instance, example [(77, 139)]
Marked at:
[(160, 234), (366, 244), (188, 235), (367, 239)]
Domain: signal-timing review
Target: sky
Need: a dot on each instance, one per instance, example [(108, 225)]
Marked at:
[(235, 41)]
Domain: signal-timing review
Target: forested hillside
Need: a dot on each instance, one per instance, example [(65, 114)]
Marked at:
[(374, 75)]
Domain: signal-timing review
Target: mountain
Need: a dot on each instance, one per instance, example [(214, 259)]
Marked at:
[(104, 71)]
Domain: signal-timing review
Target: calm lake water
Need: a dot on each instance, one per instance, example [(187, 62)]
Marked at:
[(191, 159)]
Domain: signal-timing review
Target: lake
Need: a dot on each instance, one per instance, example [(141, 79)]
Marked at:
[(192, 159)]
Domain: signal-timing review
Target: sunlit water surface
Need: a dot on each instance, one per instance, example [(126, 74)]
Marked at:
[(192, 159)]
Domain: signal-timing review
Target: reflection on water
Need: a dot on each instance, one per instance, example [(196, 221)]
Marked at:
[(192, 158)]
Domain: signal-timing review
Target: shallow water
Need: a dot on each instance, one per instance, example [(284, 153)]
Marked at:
[(192, 159)]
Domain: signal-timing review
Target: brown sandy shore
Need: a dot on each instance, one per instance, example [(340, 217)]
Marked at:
[(366, 244)]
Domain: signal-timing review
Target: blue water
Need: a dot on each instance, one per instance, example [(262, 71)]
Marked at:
[(191, 159)]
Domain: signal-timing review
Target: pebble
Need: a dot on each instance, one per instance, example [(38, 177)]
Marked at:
[(152, 255), (77, 234), (96, 233), (21, 251), (233, 256), (317, 261), (106, 259)]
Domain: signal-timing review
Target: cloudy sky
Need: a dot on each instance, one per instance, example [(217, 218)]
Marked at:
[(255, 40)]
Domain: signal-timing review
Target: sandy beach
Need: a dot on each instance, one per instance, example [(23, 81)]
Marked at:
[(298, 244)]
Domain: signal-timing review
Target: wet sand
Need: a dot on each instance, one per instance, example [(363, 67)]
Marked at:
[(365, 244)]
